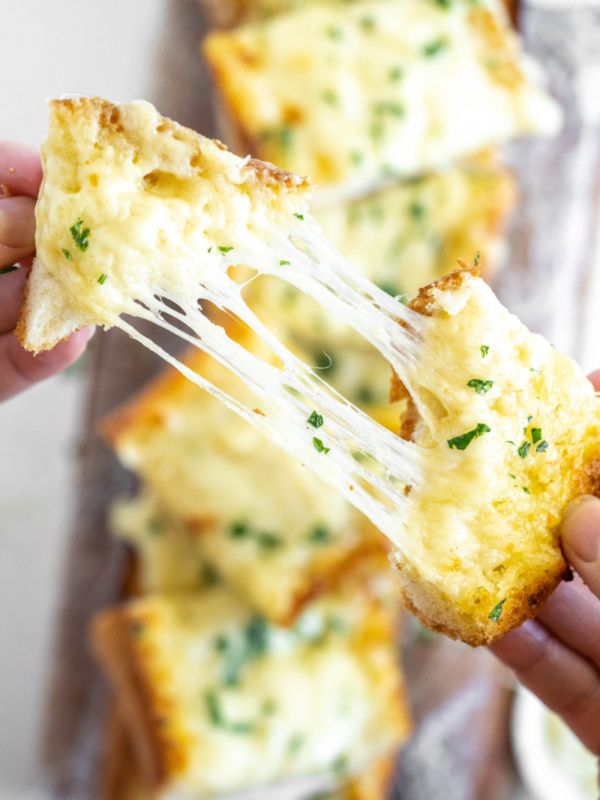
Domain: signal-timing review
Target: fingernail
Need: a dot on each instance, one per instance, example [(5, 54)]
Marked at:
[(17, 222), (580, 528)]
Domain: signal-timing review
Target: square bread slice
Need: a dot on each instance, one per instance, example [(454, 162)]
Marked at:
[(205, 683), (387, 90), (221, 494)]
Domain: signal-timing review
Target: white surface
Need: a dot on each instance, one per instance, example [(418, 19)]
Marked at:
[(48, 48)]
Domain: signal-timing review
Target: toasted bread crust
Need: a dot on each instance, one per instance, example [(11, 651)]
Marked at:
[(114, 647)]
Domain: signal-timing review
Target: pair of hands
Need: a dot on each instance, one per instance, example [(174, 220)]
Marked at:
[(557, 655)]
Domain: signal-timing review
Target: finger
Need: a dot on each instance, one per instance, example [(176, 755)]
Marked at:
[(17, 229), (566, 682), (20, 169), (595, 379), (580, 533), (12, 286), (572, 615), (19, 369)]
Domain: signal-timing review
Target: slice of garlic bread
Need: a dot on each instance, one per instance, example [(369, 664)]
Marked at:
[(511, 433), (206, 683), (387, 90)]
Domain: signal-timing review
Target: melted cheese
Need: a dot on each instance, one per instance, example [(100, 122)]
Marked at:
[(323, 698), (165, 251), (389, 89), (269, 526)]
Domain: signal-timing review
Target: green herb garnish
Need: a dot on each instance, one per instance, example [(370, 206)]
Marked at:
[(536, 435), (316, 420), (216, 716), (389, 107), (481, 387), (524, 449), (295, 743), (367, 23), (417, 211), (484, 350), (542, 447), (209, 249), (268, 541), (225, 249), (67, 254), (284, 263), (497, 610), (433, 48), (510, 475), (299, 216), (463, 441), (319, 446), (526, 490), (335, 33), (102, 279), (239, 530), (396, 74), (442, 3), (80, 235), (330, 97), (477, 257), (319, 535)]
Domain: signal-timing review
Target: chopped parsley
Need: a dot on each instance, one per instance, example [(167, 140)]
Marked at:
[(268, 541), (319, 535), (481, 387), (335, 33), (239, 530), (269, 708), (497, 610), (524, 449), (367, 23), (542, 446), (295, 743), (537, 371), (80, 235), (389, 107), (319, 446), (463, 441), (284, 263), (316, 420), (477, 257), (484, 350), (433, 48), (442, 3), (102, 278), (209, 249), (376, 131), (510, 475), (526, 490), (417, 211), (536, 435), (299, 216), (216, 716), (67, 254), (5, 270), (225, 249), (396, 74), (239, 651)]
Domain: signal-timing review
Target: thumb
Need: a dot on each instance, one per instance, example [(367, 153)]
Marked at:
[(580, 531)]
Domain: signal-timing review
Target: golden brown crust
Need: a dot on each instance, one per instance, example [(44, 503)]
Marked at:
[(375, 783), (437, 614), (113, 643)]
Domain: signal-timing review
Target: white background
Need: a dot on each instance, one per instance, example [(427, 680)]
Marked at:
[(49, 48)]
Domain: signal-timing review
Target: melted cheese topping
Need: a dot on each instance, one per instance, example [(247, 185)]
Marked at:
[(488, 514), (389, 89), (231, 689)]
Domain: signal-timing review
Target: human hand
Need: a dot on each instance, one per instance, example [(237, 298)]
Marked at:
[(557, 655), (20, 178)]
